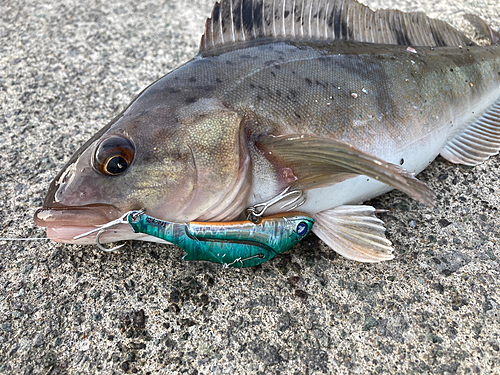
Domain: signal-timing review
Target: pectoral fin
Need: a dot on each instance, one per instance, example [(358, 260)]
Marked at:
[(354, 232), (319, 162)]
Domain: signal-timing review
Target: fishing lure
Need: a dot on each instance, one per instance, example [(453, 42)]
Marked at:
[(233, 244)]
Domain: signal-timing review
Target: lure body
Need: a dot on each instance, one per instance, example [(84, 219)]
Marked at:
[(233, 244)]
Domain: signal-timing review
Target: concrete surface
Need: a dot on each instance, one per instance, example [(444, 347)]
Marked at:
[(66, 68)]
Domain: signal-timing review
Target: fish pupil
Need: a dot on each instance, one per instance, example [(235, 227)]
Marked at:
[(116, 165)]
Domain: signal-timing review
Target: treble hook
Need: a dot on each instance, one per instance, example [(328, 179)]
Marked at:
[(255, 212), (103, 228)]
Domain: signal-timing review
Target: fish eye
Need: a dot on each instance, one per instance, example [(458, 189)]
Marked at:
[(113, 155)]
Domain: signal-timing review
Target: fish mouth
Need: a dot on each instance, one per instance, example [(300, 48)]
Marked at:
[(65, 223)]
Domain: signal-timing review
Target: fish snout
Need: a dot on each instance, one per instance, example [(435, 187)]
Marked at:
[(63, 224), (58, 188)]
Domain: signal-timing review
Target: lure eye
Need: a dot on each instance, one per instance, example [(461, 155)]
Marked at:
[(302, 228), (114, 155)]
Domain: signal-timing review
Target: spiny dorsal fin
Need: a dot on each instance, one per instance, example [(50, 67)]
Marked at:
[(234, 21)]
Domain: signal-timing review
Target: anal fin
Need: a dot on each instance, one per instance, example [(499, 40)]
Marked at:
[(478, 141), (354, 232)]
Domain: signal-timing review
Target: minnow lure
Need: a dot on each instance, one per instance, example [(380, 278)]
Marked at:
[(233, 244)]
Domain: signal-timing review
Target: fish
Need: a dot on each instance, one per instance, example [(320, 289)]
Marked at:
[(325, 97)]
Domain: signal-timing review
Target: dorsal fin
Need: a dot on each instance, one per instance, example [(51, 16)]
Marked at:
[(234, 21), (483, 28)]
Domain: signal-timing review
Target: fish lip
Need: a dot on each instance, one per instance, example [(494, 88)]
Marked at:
[(64, 224), (81, 216)]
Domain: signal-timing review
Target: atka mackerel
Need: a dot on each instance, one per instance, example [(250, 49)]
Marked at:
[(322, 97)]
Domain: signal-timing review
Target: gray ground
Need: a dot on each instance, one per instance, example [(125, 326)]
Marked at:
[(66, 68)]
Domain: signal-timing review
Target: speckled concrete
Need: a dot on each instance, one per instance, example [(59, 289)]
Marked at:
[(66, 68)]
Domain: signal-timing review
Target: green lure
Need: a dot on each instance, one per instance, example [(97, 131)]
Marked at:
[(233, 244)]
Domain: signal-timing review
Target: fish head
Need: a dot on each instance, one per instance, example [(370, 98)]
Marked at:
[(178, 161)]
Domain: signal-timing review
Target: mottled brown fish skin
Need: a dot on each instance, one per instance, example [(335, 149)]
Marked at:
[(326, 97), (373, 97), (309, 87)]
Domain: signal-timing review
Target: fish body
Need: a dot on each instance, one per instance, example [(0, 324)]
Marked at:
[(338, 112)]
